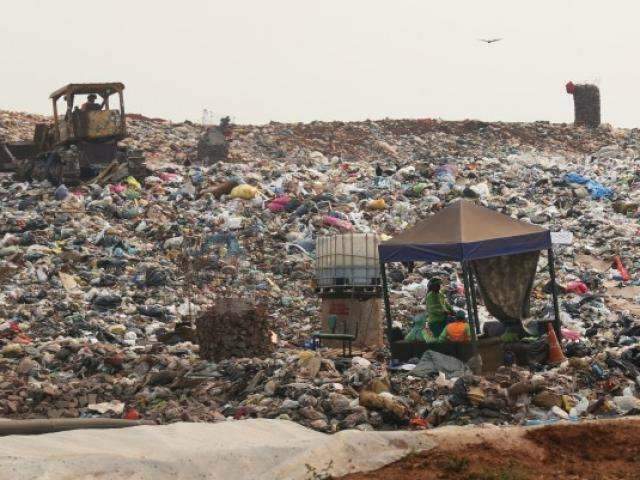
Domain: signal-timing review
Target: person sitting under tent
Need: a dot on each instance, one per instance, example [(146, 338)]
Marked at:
[(437, 307), (457, 329), (418, 333)]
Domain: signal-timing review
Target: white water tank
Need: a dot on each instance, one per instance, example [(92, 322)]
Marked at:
[(348, 261)]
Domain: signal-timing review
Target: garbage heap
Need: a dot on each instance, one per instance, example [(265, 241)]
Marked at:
[(95, 319), (233, 327)]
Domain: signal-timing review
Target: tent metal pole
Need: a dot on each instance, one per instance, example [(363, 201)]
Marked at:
[(467, 296), (554, 292), (385, 296), (472, 287)]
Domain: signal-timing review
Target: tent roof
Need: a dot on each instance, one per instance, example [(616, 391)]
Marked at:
[(464, 231)]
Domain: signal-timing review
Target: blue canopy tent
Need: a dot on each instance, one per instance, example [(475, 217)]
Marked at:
[(463, 232)]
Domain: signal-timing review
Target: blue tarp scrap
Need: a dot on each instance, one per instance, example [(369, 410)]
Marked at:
[(596, 189)]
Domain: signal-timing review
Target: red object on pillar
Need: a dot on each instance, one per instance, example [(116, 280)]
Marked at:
[(570, 86)]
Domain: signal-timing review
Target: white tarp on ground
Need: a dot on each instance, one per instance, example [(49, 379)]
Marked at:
[(251, 449)]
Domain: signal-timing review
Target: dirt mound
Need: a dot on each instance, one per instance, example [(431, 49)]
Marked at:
[(598, 451), (233, 328), (604, 448)]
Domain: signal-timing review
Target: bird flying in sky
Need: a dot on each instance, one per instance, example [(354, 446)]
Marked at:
[(489, 40)]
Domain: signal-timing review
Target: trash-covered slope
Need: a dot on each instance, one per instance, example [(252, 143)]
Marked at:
[(95, 283)]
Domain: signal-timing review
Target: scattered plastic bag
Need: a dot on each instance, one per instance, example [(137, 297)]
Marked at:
[(577, 286), (596, 189), (244, 191)]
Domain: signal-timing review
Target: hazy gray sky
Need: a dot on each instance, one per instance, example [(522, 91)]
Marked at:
[(296, 60)]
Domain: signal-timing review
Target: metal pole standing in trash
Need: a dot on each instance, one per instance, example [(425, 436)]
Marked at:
[(467, 296), (385, 296), (554, 292), (472, 287)]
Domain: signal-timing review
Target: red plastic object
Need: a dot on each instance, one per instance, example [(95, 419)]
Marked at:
[(571, 88), (117, 188), (241, 413), (167, 176), (577, 287), (623, 271), (418, 422), (570, 334), (336, 222), (20, 336), (131, 414), (279, 204), (22, 339)]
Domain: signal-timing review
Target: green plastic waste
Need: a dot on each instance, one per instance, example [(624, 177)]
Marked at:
[(418, 188), (418, 333)]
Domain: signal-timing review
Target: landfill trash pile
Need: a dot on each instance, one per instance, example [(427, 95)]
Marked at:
[(16, 126), (157, 138), (97, 306)]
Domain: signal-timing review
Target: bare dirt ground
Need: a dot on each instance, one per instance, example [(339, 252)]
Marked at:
[(591, 450)]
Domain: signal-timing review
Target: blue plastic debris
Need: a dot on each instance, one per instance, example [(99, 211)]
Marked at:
[(596, 189)]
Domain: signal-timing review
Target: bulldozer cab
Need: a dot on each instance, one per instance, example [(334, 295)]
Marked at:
[(73, 121), (82, 141)]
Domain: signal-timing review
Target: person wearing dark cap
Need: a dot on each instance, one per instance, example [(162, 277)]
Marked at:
[(90, 105), (437, 307), (457, 329)]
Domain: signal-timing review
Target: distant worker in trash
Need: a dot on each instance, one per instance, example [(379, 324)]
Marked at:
[(457, 329), (437, 307), (90, 105)]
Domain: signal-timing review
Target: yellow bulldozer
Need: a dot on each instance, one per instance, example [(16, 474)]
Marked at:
[(80, 141)]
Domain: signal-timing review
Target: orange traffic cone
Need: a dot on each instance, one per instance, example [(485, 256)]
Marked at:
[(620, 267), (555, 352)]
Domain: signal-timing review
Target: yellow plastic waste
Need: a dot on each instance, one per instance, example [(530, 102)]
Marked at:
[(310, 363), (305, 355), (11, 350), (68, 282), (133, 183), (475, 395), (117, 329), (244, 191), (377, 204)]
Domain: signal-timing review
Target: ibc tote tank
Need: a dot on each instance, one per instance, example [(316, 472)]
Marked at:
[(348, 261)]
